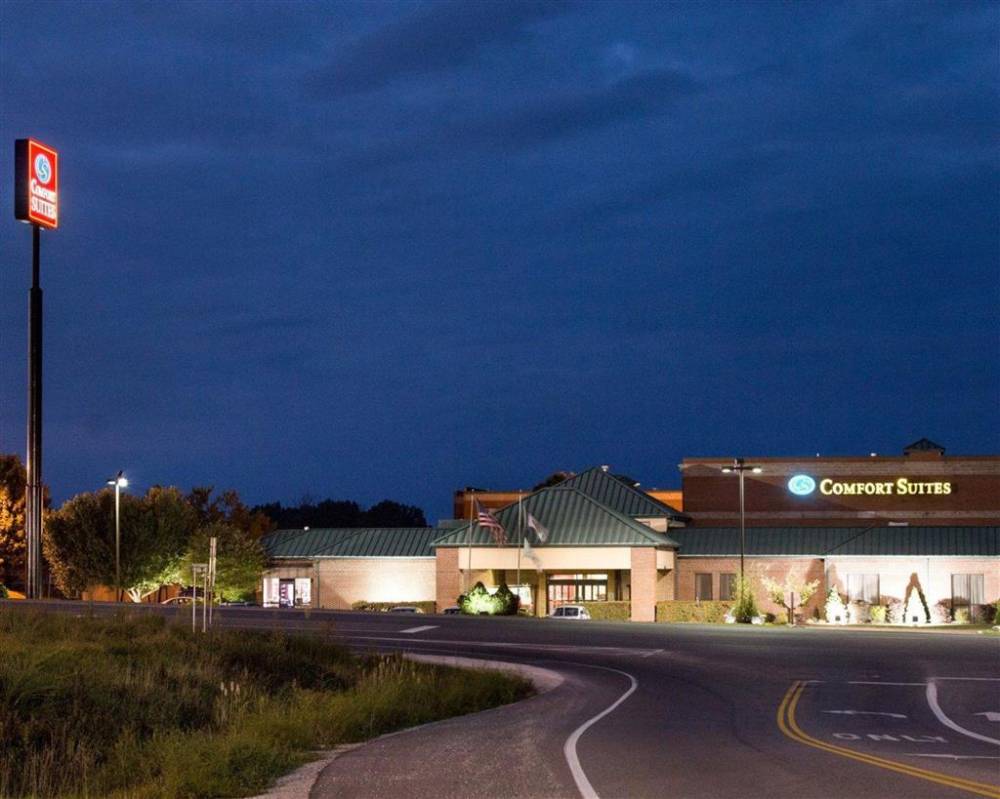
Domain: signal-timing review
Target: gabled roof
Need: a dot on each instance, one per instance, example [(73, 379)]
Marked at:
[(923, 445), (363, 542), (572, 517), (833, 541), (619, 495)]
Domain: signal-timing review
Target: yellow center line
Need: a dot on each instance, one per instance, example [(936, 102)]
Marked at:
[(789, 726)]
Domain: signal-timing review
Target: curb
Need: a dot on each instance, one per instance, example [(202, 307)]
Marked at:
[(299, 783)]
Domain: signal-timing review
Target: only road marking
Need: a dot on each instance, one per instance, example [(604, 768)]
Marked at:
[(790, 728), (420, 629), (932, 700), (866, 713)]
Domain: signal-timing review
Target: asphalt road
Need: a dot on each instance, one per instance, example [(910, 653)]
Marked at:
[(688, 711)]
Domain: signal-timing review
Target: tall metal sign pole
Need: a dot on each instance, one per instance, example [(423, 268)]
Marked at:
[(36, 201)]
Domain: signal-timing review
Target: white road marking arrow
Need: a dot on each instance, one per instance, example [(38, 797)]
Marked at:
[(991, 715), (866, 713)]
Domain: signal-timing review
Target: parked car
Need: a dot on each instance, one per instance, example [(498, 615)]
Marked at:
[(405, 609), (238, 603), (454, 610), (578, 612), (177, 600)]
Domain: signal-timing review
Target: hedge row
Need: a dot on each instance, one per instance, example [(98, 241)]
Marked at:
[(381, 607), (675, 610), (609, 611)]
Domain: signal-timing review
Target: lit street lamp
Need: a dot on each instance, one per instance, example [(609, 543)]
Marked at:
[(739, 466), (119, 481)]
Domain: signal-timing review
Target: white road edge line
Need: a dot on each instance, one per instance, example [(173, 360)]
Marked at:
[(879, 682), (569, 750), (650, 654), (953, 757), (932, 700), (420, 629)]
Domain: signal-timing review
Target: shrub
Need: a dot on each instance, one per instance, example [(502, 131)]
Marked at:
[(962, 616), (675, 610), (381, 607), (877, 614), (836, 610), (915, 610), (940, 613), (609, 611), (745, 608), (479, 601), (894, 613), (4, 594)]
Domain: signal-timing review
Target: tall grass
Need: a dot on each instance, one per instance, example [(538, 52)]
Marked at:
[(134, 707)]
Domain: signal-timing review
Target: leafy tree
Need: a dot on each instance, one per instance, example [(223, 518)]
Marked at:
[(228, 508), (393, 514), (792, 594), (342, 513), (154, 537), (239, 559), (13, 480), (79, 540), (553, 479)]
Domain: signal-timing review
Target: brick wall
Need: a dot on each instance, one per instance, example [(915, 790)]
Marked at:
[(804, 569), (448, 580), (344, 581), (643, 584)]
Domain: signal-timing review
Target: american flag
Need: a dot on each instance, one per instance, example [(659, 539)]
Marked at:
[(492, 523)]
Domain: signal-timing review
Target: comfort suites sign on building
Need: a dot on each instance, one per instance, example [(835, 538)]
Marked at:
[(803, 485)]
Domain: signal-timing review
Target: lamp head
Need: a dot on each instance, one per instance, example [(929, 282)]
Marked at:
[(119, 480)]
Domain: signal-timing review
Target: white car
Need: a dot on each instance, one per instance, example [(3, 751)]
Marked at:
[(578, 612)]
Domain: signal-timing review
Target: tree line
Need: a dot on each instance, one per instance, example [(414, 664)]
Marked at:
[(163, 532)]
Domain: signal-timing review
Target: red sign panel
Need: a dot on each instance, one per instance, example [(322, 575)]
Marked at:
[(36, 183)]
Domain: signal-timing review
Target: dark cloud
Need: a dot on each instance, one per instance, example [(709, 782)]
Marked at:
[(504, 217), (559, 116), (441, 37)]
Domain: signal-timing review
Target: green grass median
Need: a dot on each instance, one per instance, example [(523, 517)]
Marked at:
[(136, 707)]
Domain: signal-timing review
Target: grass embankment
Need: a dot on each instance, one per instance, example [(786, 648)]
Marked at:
[(134, 707)]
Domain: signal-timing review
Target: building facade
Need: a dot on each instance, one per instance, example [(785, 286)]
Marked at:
[(876, 530)]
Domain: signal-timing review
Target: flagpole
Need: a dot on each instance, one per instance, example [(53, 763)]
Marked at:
[(520, 540), (468, 538)]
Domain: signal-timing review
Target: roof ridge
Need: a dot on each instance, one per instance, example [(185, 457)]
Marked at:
[(645, 495)]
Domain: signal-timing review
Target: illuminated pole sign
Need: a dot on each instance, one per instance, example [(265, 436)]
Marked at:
[(36, 183)]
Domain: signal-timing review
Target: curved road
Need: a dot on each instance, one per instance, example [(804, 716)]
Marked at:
[(714, 711)]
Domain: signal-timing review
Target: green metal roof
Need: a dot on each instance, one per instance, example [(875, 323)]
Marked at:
[(572, 517), (834, 541), (618, 495), (356, 542)]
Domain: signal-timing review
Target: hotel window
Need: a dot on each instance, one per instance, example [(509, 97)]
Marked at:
[(702, 587), (966, 590), (727, 586), (863, 588)]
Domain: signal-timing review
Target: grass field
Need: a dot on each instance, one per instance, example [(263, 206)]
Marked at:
[(134, 707)]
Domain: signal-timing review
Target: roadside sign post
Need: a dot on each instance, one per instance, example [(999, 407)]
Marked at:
[(36, 202), (212, 542), (199, 571)]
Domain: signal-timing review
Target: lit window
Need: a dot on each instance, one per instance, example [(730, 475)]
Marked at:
[(863, 588)]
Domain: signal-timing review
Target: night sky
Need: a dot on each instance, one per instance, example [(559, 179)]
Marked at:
[(389, 250)]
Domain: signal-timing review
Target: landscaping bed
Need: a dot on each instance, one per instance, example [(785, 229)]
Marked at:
[(134, 706)]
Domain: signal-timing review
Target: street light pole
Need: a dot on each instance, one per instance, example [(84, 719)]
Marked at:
[(119, 482), (740, 467)]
